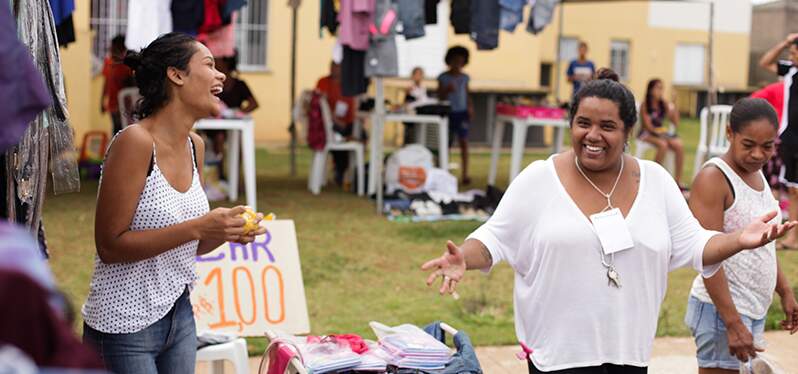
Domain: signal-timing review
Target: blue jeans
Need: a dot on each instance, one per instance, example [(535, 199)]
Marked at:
[(710, 336), (168, 346)]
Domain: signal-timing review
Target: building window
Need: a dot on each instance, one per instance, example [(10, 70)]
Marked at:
[(619, 59), (251, 36), (569, 49), (689, 64), (545, 74), (108, 19)]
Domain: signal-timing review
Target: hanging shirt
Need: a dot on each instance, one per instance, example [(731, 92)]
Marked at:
[(61, 10), (564, 309), (188, 15), (354, 18), (222, 42), (146, 21), (213, 17)]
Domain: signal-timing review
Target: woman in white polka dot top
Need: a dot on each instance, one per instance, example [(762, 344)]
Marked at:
[(153, 217)]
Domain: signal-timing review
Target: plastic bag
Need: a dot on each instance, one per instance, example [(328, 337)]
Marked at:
[(761, 364)]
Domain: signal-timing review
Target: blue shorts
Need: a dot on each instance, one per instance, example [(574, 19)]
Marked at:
[(458, 125), (709, 332)]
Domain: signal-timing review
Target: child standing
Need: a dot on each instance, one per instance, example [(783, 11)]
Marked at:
[(453, 86), (726, 312), (117, 76)]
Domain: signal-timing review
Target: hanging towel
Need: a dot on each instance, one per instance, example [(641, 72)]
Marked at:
[(146, 21)]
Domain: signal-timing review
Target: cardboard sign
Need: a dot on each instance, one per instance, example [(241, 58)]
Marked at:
[(248, 289)]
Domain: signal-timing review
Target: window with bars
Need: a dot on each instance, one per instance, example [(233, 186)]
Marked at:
[(109, 19), (619, 59), (251, 36)]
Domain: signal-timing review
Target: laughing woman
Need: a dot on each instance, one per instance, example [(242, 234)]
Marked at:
[(153, 217), (591, 234)]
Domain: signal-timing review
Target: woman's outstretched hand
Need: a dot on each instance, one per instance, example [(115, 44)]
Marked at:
[(451, 266), (761, 232)]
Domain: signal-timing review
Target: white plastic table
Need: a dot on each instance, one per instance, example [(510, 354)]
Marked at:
[(241, 138), (375, 140), (520, 125)]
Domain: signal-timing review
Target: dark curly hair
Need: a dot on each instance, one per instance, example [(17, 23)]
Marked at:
[(751, 109), (456, 51), (606, 86), (150, 65)]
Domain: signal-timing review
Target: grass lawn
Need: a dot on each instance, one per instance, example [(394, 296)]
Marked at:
[(360, 267)]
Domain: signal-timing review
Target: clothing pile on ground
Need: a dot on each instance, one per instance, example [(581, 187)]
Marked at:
[(366, 29), (211, 21), (403, 349)]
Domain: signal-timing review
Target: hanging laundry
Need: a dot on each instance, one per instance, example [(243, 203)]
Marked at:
[(460, 17), (47, 145), (187, 16), (411, 14), (353, 72), (222, 42), (146, 21), (213, 17), (61, 10), (485, 23), (382, 57), (65, 32), (354, 18), (541, 15), (431, 12), (22, 90), (328, 17), (229, 7), (512, 13)]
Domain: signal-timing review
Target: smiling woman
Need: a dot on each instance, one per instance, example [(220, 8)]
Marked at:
[(591, 234), (153, 217)]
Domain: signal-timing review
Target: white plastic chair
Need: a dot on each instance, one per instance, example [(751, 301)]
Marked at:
[(642, 147), (714, 120), (128, 97), (318, 166), (234, 351)]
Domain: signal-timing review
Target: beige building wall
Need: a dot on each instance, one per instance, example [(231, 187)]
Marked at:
[(515, 64)]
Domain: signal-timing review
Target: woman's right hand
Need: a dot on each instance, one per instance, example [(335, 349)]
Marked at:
[(223, 224), (451, 266)]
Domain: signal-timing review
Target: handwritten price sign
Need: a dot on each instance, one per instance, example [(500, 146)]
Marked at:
[(248, 289)]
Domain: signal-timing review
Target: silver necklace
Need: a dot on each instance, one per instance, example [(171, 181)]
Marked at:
[(613, 278)]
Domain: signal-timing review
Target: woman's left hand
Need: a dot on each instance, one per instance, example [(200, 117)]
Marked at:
[(761, 232), (790, 307), (250, 236)]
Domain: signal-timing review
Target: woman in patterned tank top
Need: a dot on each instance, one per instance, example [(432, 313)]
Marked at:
[(726, 312), (153, 218)]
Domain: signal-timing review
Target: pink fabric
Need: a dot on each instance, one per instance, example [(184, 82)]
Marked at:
[(354, 17), (221, 42), (279, 358), (774, 94), (525, 352)]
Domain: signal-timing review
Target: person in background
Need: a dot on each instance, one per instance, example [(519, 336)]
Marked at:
[(453, 86), (591, 235), (237, 96), (581, 69), (788, 126), (153, 219), (774, 94), (117, 76), (343, 112), (655, 110), (416, 93), (726, 312)]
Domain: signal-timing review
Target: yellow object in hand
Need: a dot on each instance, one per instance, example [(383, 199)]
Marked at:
[(661, 130), (251, 224)]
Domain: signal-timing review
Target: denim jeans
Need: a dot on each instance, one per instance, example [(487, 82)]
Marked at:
[(168, 346)]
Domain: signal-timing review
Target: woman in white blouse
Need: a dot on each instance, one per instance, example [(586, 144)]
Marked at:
[(591, 234)]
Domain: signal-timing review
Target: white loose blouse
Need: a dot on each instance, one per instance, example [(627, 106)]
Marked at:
[(564, 309)]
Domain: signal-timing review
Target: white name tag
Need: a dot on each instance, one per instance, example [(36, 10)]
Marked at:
[(612, 231), (341, 108)]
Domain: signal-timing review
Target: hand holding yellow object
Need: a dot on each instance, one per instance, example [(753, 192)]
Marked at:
[(253, 220)]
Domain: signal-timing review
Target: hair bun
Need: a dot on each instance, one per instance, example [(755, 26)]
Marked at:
[(133, 60), (607, 73)]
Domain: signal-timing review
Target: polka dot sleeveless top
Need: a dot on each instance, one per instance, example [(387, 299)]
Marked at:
[(128, 297)]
